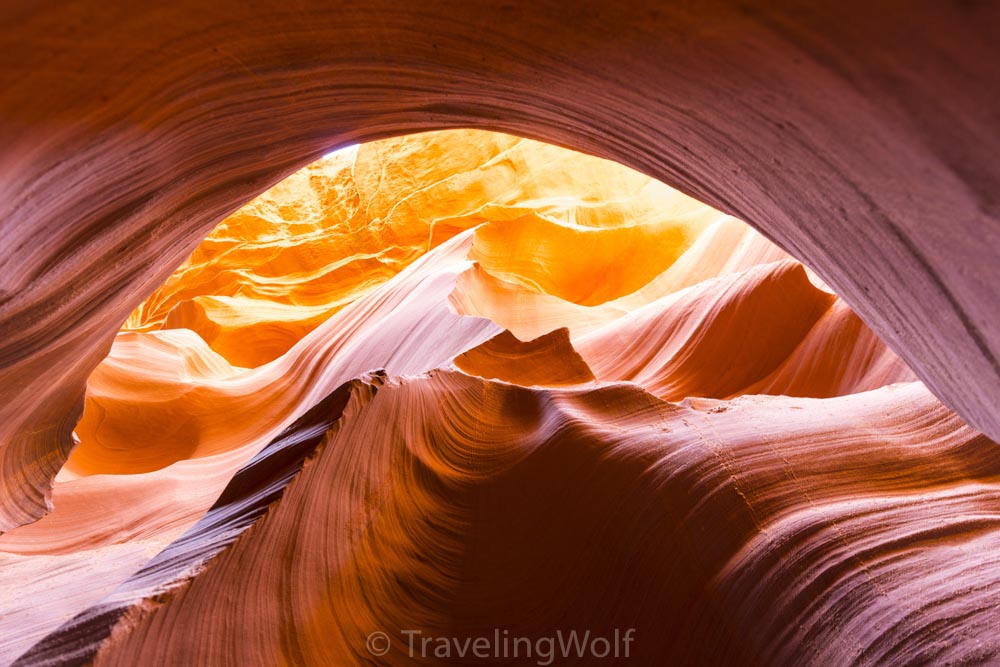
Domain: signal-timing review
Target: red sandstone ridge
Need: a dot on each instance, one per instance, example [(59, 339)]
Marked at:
[(860, 136), (391, 394), (459, 382)]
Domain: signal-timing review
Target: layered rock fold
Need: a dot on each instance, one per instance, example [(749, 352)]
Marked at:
[(860, 136), (462, 381)]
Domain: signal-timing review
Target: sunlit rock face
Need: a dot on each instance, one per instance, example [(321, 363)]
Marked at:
[(463, 383), (859, 136)]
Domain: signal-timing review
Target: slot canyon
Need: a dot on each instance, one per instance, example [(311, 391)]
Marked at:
[(386, 333)]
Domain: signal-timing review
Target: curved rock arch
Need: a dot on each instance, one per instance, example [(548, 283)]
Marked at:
[(861, 138)]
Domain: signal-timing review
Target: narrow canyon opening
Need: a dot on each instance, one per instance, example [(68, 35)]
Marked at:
[(454, 389), (596, 273), (461, 380)]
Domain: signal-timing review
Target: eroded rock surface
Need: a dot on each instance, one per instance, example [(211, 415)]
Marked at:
[(467, 426), (860, 136)]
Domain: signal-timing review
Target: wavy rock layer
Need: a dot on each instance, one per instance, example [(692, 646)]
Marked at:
[(542, 508), (169, 420), (692, 437), (860, 136)]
